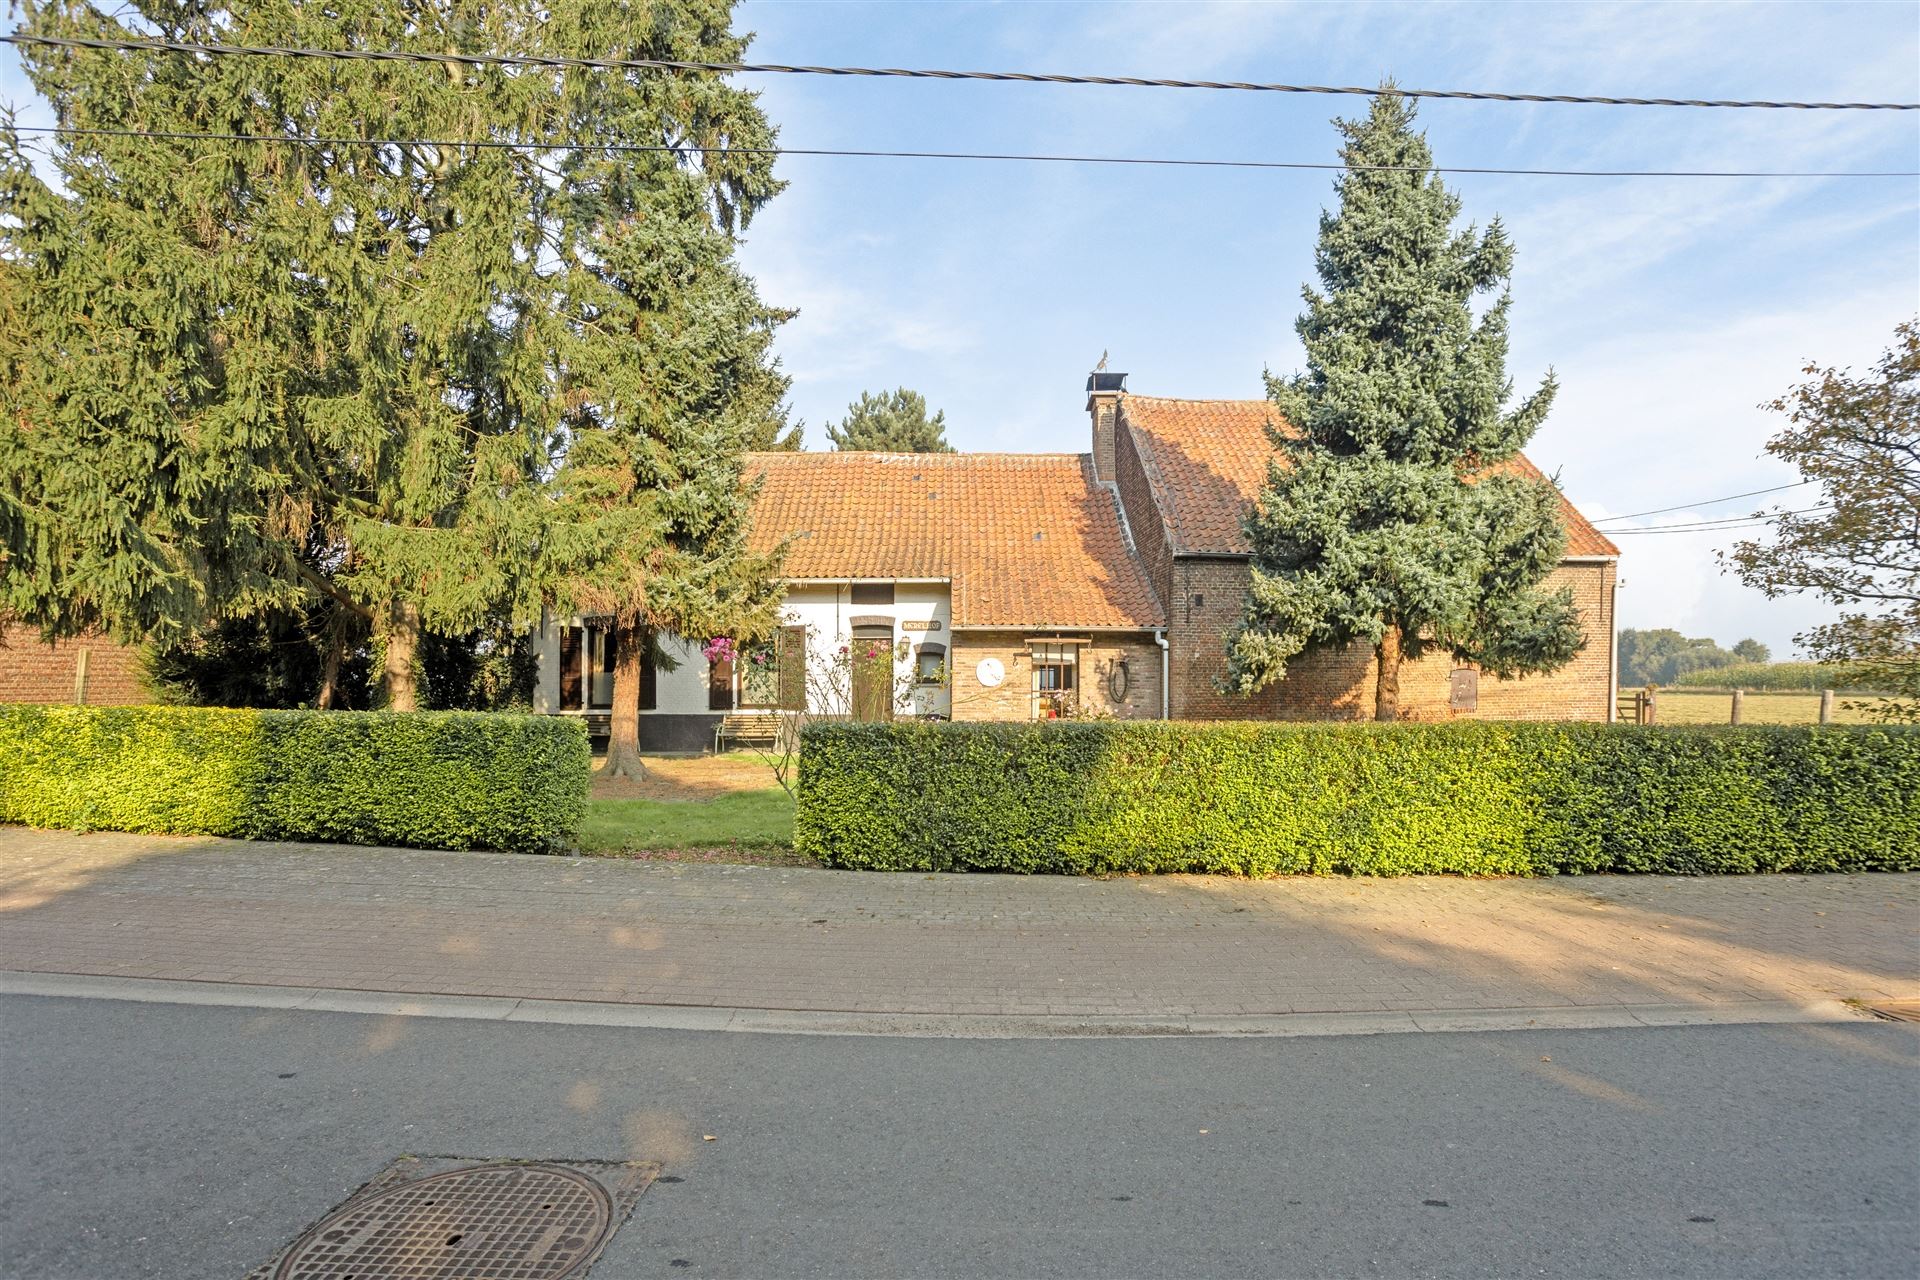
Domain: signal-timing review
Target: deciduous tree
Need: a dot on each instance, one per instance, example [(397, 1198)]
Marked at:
[(1858, 438)]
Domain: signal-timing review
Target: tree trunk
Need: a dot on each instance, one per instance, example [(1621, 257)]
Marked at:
[(1386, 689), (402, 649), (623, 737), (330, 663)]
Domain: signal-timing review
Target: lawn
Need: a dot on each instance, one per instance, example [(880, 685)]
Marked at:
[(724, 808), (1701, 706)]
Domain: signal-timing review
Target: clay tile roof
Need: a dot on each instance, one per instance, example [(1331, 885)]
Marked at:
[(1027, 540), (1207, 462)]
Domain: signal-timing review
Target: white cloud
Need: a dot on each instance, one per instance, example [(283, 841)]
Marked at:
[(1672, 416)]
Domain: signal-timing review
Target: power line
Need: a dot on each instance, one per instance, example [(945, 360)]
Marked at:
[(622, 148), (1714, 526), (1710, 502), (1020, 77)]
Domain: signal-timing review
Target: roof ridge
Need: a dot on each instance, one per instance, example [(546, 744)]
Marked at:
[(955, 456), (1133, 395)]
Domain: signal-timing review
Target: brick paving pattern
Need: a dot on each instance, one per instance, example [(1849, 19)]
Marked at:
[(779, 938)]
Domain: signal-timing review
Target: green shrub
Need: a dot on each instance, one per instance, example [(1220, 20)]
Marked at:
[(442, 779), (1468, 798)]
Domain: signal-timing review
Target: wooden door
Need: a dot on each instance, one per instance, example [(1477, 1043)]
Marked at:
[(872, 680)]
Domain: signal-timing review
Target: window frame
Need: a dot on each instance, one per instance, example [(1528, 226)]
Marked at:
[(1054, 696)]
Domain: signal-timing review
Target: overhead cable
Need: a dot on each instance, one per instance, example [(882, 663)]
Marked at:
[(622, 148), (1018, 77), (1708, 502)]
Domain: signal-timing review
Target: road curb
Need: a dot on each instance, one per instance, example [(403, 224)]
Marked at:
[(930, 1025)]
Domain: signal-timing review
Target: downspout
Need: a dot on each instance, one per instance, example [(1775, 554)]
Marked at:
[(1160, 638), (1613, 646)]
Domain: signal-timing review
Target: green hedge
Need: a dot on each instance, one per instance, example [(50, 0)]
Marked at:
[(441, 779), (1787, 677), (1265, 799)]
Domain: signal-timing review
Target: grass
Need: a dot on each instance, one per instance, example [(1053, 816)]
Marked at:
[(723, 808), (1700, 706)]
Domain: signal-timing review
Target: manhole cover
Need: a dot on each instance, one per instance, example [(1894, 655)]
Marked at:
[(499, 1220)]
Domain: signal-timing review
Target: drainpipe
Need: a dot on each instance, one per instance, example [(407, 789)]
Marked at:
[(1160, 638), (1613, 647)]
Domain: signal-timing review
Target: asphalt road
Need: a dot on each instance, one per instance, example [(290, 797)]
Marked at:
[(170, 1141)]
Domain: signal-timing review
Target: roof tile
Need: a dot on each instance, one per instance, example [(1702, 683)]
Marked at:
[(1027, 540), (1207, 462)]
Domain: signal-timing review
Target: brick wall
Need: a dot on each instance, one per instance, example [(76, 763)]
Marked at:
[(1206, 602), (1144, 520), (31, 671), (1103, 408), (1012, 698)]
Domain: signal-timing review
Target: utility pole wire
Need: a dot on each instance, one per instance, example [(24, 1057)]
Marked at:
[(1709, 526), (621, 148), (1710, 502), (1017, 77)]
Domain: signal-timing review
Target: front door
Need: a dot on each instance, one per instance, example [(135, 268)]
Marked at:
[(872, 676)]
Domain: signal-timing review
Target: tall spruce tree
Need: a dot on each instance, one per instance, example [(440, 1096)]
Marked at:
[(890, 422), (1388, 518), (244, 374), (652, 511)]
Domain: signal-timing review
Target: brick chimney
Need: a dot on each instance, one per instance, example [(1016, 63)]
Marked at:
[(1103, 406)]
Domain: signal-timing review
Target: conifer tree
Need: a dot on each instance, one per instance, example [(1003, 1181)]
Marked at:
[(241, 375), (1388, 518), (890, 422), (652, 512)]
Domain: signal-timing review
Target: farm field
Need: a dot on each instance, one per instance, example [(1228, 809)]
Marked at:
[(1706, 706)]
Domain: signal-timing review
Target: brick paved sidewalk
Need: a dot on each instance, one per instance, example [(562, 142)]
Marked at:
[(754, 937)]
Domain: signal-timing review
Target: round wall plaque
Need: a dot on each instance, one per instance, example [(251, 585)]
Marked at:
[(991, 672)]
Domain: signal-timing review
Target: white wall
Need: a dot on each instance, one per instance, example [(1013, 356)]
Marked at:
[(826, 613), (682, 691), (824, 609)]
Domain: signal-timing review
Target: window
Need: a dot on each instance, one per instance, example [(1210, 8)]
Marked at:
[(774, 674), (872, 593), (1055, 680), (760, 676), (793, 668), (930, 667), (586, 668), (600, 655)]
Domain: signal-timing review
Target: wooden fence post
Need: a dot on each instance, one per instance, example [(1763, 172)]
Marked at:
[(80, 677), (1826, 706), (1738, 695), (1652, 707)]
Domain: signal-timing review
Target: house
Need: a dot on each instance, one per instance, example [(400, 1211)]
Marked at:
[(1023, 586), (87, 669)]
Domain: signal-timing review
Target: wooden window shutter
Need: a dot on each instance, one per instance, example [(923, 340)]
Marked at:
[(720, 685), (649, 678), (793, 668), (571, 690)]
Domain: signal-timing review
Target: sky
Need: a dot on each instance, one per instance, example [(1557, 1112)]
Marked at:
[(1669, 308)]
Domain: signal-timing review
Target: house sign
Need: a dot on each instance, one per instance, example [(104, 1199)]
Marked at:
[(919, 626)]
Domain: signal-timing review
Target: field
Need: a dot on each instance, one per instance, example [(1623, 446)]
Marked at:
[(724, 808), (1701, 706)]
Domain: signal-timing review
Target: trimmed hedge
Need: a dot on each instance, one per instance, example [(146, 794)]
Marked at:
[(442, 779), (1787, 677), (1467, 798)]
